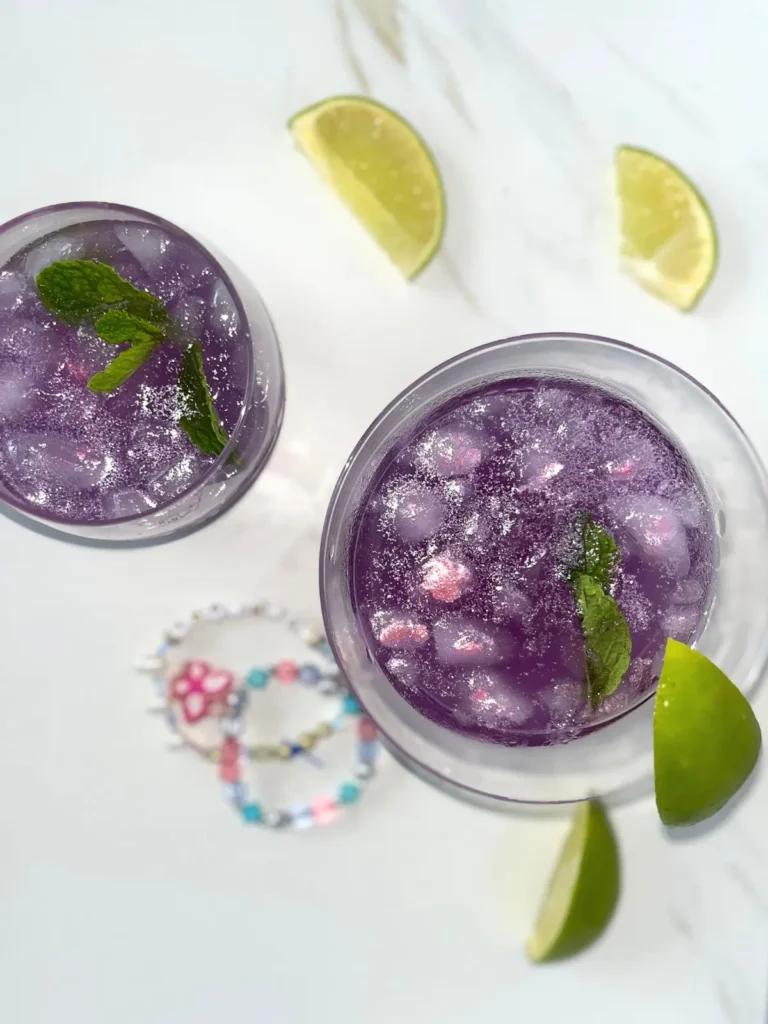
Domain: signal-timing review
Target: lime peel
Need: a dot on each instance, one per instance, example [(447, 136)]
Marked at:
[(583, 890), (706, 739)]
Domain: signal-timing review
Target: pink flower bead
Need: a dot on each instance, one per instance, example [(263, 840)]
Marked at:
[(198, 688), (286, 671), (324, 811)]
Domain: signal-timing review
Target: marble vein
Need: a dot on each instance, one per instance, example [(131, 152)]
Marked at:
[(449, 83), (681, 924), (660, 87), (348, 49), (748, 887), (383, 19)]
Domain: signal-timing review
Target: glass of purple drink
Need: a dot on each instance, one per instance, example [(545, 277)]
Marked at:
[(118, 466), (444, 561)]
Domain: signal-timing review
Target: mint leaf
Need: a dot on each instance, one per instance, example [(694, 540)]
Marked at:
[(89, 292), (118, 327), (606, 637), (79, 291), (122, 367), (198, 415), (600, 554)]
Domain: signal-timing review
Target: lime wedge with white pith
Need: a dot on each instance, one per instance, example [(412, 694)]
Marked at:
[(583, 890), (706, 739), (669, 241), (381, 168)]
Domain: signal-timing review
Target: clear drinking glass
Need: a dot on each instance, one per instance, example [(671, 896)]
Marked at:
[(213, 484), (616, 759)]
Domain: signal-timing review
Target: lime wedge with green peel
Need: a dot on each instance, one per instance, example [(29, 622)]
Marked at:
[(583, 890), (706, 739), (669, 241), (380, 167)]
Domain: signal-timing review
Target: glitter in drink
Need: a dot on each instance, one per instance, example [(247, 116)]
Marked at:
[(479, 499)]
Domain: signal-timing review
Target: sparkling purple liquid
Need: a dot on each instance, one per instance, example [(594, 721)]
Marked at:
[(456, 570), (72, 455)]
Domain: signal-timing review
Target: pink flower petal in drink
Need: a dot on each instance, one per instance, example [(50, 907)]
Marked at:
[(451, 452), (445, 579), (399, 631), (462, 642), (657, 530)]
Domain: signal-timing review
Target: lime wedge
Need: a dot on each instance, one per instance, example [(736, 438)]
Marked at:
[(380, 167), (706, 739), (583, 890), (669, 242)]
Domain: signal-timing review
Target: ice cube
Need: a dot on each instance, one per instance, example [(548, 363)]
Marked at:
[(223, 315), (398, 630), (637, 609), (463, 642), (566, 702), (630, 458), (63, 461), (418, 512), (445, 578), (691, 509), (13, 288), (538, 470), (451, 452), (172, 480), (616, 704), (488, 698), (51, 250), (510, 602), (457, 490), (130, 502), (189, 311), (657, 531), (688, 592), (681, 623), (405, 670), (476, 531), (147, 243), (17, 391)]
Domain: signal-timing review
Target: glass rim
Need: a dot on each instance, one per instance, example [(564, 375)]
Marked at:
[(231, 445), (406, 754)]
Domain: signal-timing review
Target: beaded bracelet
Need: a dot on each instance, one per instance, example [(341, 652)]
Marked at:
[(233, 755), (198, 691), (202, 691)]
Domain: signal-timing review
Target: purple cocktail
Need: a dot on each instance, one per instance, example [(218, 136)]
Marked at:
[(460, 555), (510, 544), (126, 460)]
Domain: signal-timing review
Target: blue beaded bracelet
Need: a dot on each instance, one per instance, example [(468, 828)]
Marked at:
[(321, 811), (198, 691)]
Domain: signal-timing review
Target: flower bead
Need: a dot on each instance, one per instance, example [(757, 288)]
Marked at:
[(198, 688)]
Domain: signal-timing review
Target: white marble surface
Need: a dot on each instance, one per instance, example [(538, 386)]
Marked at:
[(127, 892)]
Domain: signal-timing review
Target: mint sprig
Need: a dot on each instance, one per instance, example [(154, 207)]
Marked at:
[(90, 292), (122, 367), (607, 639), (198, 414), (119, 327), (79, 291)]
